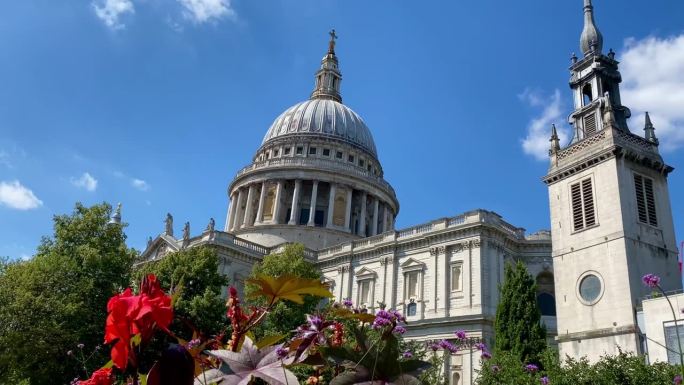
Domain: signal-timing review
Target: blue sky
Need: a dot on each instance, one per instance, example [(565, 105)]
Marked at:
[(157, 103)]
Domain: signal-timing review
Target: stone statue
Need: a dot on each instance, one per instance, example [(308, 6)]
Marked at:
[(169, 224), (186, 232), (210, 226), (149, 242)]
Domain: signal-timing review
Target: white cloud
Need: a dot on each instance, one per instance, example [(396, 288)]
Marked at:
[(201, 11), (25, 257), (110, 11), (86, 181), (140, 184), (536, 143), (16, 196), (653, 73)]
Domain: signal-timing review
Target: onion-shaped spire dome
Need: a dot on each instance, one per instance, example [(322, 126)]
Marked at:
[(591, 41)]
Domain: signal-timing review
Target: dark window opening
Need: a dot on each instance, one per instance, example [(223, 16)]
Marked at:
[(304, 216), (300, 150), (286, 151), (547, 304), (326, 152), (411, 309), (586, 95), (318, 217), (338, 155), (312, 150), (351, 158), (361, 162)]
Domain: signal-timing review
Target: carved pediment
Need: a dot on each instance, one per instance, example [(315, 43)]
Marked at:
[(365, 273), (412, 264)]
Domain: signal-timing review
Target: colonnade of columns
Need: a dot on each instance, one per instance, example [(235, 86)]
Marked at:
[(310, 203)]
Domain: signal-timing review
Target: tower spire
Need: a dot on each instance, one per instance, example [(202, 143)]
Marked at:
[(555, 141), (650, 130), (591, 41), (328, 77)]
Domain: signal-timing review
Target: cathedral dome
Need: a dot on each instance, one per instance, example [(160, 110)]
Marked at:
[(322, 118)]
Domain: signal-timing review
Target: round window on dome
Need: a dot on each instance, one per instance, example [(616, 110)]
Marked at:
[(590, 288)]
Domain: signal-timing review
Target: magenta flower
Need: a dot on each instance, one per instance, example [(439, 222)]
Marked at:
[(532, 368), (480, 346), (651, 280), (399, 330), (544, 380), (461, 335), (677, 380), (407, 354), (347, 303), (282, 352), (486, 355)]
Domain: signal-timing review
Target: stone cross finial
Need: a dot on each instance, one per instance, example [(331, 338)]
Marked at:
[(333, 37)]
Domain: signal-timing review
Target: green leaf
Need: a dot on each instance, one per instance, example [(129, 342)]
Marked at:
[(136, 340), (269, 340), (287, 287)]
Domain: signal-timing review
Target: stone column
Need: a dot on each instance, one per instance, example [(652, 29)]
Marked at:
[(347, 213), (295, 203), (231, 213), (362, 221), (312, 208), (331, 204), (278, 205), (374, 224), (237, 219), (384, 217), (249, 209), (262, 199)]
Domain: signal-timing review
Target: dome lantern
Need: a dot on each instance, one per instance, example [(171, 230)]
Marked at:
[(329, 77)]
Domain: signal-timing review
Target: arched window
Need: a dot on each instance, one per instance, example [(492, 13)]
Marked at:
[(545, 294), (547, 304), (411, 309), (586, 95)]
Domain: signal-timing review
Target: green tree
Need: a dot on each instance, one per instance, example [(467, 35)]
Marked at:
[(286, 316), (58, 299), (518, 328), (196, 272)]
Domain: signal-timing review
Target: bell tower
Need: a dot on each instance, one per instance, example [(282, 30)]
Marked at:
[(611, 221)]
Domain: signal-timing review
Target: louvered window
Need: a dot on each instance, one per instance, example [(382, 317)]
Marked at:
[(645, 200), (590, 124), (583, 210)]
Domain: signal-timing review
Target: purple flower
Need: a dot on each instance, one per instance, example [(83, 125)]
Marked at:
[(486, 355), (532, 368), (347, 303), (651, 280), (677, 380), (480, 346), (461, 335), (399, 330), (496, 368), (446, 345), (384, 318), (407, 354), (194, 343), (282, 352), (80, 346), (434, 346), (544, 380)]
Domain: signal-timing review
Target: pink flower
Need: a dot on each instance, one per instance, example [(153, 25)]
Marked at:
[(544, 380), (677, 380), (651, 280)]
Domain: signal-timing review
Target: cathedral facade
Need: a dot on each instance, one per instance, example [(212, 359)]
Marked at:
[(317, 179)]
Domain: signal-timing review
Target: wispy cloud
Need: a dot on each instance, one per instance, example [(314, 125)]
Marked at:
[(653, 73), (15, 196), (202, 11), (111, 11), (140, 184), (5, 159), (86, 181), (549, 109)]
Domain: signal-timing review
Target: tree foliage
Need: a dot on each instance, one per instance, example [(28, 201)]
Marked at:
[(518, 327), (285, 316), (200, 305), (58, 300), (621, 369)]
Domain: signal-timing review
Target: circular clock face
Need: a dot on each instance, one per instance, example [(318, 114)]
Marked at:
[(590, 288)]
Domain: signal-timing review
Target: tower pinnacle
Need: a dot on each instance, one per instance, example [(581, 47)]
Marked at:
[(329, 77), (591, 41), (555, 141), (650, 130)]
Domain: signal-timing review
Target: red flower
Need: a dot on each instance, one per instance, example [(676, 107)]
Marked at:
[(100, 377), (136, 314)]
